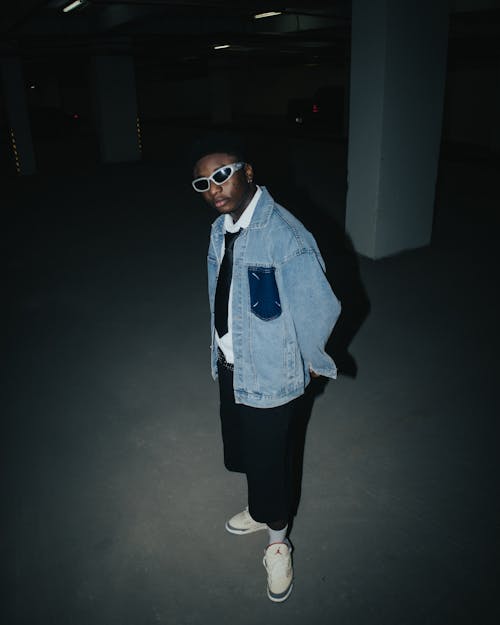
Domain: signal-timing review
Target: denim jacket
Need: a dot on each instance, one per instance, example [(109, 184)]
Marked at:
[(283, 310)]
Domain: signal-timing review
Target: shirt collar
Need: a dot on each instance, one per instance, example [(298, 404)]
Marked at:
[(246, 217)]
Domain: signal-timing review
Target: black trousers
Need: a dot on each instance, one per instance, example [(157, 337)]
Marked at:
[(260, 442)]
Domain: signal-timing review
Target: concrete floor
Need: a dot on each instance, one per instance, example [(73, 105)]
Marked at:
[(114, 491)]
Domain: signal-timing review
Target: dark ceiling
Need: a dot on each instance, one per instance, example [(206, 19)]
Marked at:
[(180, 30), (183, 32)]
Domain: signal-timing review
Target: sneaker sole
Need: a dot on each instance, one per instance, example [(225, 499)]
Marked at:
[(281, 597), (238, 532)]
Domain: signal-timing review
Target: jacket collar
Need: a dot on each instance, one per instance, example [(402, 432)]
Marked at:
[(262, 211)]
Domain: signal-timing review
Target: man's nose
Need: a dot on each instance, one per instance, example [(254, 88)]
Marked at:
[(214, 188)]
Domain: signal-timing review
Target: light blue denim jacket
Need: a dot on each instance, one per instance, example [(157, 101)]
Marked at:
[(283, 307)]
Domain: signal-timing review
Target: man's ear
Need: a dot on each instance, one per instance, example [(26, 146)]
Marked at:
[(249, 172)]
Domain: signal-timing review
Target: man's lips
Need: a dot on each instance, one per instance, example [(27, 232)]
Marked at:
[(220, 202)]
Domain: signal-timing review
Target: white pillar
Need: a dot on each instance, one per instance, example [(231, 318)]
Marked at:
[(115, 108), (14, 90), (398, 66)]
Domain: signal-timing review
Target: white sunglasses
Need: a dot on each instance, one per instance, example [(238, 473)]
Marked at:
[(220, 176)]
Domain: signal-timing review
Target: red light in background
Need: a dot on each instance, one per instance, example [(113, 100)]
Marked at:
[(315, 108), (75, 116)]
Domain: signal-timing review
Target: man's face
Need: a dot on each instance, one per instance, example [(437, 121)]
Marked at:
[(232, 196)]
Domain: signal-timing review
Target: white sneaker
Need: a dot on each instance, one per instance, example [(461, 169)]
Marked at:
[(278, 564), (242, 523)]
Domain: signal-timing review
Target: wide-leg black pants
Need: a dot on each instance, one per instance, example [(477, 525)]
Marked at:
[(260, 442)]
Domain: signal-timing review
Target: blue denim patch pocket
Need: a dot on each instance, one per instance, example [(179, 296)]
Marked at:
[(264, 296)]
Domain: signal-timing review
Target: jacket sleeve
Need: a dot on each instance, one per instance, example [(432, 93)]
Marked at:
[(314, 308)]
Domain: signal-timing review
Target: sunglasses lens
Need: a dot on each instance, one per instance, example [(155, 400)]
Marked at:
[(202, 184), (222, 174), (219, 177)]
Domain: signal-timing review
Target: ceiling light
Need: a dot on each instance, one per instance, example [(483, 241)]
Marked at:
[(268, 14), (221, 47), (72, 6)]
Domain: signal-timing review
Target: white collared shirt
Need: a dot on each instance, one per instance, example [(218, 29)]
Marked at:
[(226, 342)]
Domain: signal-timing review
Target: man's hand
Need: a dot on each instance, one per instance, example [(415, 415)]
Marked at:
[(314, 374)]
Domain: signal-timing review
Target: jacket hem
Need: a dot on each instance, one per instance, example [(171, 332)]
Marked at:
[(266, 401)]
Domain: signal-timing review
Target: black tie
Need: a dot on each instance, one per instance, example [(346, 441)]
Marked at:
[(224, 284)]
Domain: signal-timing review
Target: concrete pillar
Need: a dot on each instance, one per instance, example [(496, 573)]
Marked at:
[(398, 66), (14, 91), (115, 108), (221, 110), (347, 95)]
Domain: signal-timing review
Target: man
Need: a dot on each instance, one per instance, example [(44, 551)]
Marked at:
[(272, 311)]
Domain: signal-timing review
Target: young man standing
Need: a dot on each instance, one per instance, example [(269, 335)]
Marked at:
[(272, 311)]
